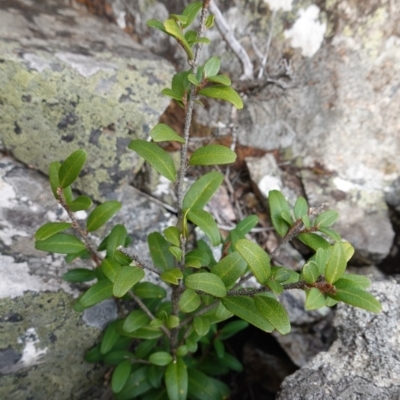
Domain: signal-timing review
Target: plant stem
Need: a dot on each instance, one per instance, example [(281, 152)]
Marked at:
[(138, 261), (178, 289), (76, 226), (148, 312)]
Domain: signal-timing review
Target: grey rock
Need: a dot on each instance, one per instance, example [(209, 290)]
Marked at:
[(363, 363), (101, 314), (71, 80)]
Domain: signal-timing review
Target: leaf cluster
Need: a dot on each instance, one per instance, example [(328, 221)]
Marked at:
[(172, 347)]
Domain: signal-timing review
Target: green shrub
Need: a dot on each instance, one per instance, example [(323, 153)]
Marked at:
[(171, 347)]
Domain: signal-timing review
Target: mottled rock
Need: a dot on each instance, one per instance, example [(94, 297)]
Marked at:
[(363, 363), (70, 80)]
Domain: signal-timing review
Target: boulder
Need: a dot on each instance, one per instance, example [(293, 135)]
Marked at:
[(69, 80), (363, 362)]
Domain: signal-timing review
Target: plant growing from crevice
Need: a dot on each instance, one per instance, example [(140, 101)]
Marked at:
[(171, 346)]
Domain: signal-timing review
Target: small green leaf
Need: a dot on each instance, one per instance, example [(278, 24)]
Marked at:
[(62, 243), (176, 252), (54, 167), (147, 332), (230, 268), (360, 280), (232, 362), (173, 29), (212, 154), (300, 208), (163, 133), (310, 272), (158, 158), (189, 301), (173, 94), (135, 320), (126, 277), (223, 92), (331, 233), (191, 37), (212, 66), (350, 293), (172, 321), (201, 325), (247, 224), (276, 287), (203, 387), (306, 221), (314, 241), (326, 219), (135, 386), (176, 380), (116, 238), (348, 249), (160, 358), (202, 190), (222, 79), (155, 376), (257, 259), (321, 258), (277, 204), (279, 274), (160, 255), (50, 229), (191, 11), (71, 168), (98, 292), (120, 376), (314, 299), (274, 313), (287, 217), (336, 264), (232, 328), (197, 258), (206, 223), (244, 308), (93, 355), (192, 79), (79, 275), (173, 235), (80, 203), (206, 282), (110, 337), (153, 23), (173, 276), (148, 290), (110, 268), (101, 214), (210, 21)]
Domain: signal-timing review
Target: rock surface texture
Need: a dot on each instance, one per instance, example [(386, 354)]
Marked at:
[(363, 363), (69, 79)]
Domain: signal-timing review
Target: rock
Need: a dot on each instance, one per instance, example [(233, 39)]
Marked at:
[(363, 214), (363, 362), (43, 339), (71, 80), (311, 332)]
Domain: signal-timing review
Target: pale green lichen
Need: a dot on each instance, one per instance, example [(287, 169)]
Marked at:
[(51, 113), (57, 327)]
